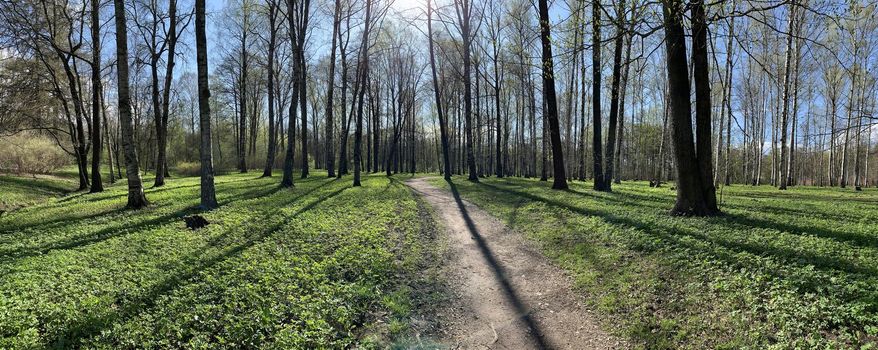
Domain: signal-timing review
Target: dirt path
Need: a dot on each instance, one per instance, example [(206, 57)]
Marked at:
[(508, 296)]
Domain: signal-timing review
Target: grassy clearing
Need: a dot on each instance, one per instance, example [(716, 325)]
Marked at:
[(323, 265), (17, 192), (794, 269)]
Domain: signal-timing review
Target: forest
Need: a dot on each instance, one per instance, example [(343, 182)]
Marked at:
[(439, 174)]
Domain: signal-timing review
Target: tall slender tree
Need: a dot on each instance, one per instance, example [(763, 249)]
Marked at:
[(363, 69), (273, 27), (615, 92), (559, 173), (292, 6), (464, 11), (136, 197), (96, 91), (330, 92), (787, 86), (703, 108), (301, 14), (596, 146), (443, 123), (208, 192)]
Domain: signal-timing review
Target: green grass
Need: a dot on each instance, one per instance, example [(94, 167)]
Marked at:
[(17, 192), (781, 270), (323, 265)]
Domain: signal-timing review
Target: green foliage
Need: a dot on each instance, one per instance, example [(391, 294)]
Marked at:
[(30, 154), (309, 267), (780, 270), (16, 192)]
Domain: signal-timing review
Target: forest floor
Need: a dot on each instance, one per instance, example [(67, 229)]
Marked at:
[(18, 191), (506, 294), (779, 270), (322, 265), (325, 265)]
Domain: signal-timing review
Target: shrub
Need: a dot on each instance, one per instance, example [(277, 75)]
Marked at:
[(188, 168), (31, 154)]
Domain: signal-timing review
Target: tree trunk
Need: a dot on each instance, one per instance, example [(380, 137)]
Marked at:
[(617, 172), (302, 23), (583, 139), (363, 71), (727, 97), (289, 157), (832, 120), (612, 126), (346, 122), (791, 163), (136, 197), (498, 170), (443, 125), (376, 121), (464, 15), (560, 176), (107, 138), (208, 193), (703, 108), (783, 174), (96, 183), (272, 133), (242, 122), (330, 90), (690, 192), (597, 139), (162, 114)]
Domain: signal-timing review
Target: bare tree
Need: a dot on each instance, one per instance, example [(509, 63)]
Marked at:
[(136, 197), (208, 192), (273, 27), (703, 108), (559, 174), (612, 126), (330, 90), (96, 183), (783, 175), (690, 192), (363, 75), (596, 146), (464, 11)]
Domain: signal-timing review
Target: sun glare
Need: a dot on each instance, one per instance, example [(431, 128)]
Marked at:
[(408, 5)]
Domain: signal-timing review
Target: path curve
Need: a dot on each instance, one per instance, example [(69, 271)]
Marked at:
[(508, 295)]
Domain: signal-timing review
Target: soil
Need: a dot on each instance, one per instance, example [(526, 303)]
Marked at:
[(506, 295)]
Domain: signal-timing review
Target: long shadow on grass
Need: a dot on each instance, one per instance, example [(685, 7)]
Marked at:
[(11, 226), (627, 198), (171, 186), (129, 308), (672, 235), (808, 197), (64, 220), (122, 229), (539, 339), (810, 212), (47, 185), (745, 221), (637, 201)]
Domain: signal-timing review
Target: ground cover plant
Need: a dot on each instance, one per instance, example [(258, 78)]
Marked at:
[(322, 265), (17, 192), (792, 269)]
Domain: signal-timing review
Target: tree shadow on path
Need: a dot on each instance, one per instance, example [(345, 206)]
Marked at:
[(540, 342)]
